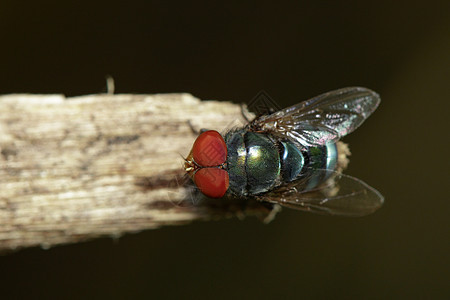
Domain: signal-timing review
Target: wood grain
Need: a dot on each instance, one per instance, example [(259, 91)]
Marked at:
[(73, 169)]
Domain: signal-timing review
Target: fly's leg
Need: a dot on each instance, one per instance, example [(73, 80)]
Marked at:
[(271, 215), (269, 211), (244, 110)]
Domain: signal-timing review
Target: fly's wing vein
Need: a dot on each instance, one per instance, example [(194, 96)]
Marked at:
[(322, 119), (341, 195)]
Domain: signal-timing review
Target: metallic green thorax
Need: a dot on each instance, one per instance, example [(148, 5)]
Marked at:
[(259, 162)]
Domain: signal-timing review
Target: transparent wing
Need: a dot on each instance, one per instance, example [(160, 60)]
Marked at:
[(341, 195), (325, 118)]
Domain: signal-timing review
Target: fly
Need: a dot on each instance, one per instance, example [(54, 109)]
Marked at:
[(292, 157)]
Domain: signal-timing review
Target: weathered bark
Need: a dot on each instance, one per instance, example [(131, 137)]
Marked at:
[(78, 168)]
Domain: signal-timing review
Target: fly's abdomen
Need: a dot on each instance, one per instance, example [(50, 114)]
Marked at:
[(292, 161), (318, 159)]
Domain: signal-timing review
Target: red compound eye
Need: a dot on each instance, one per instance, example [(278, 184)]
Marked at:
[(213, 182), (209, 149)]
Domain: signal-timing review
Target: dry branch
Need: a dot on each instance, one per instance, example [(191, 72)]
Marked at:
[(78, 168)]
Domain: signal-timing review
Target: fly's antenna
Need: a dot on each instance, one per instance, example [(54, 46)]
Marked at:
[(188, 165)]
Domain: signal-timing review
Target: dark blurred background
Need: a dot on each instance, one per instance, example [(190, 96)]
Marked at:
[(230, 52)]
